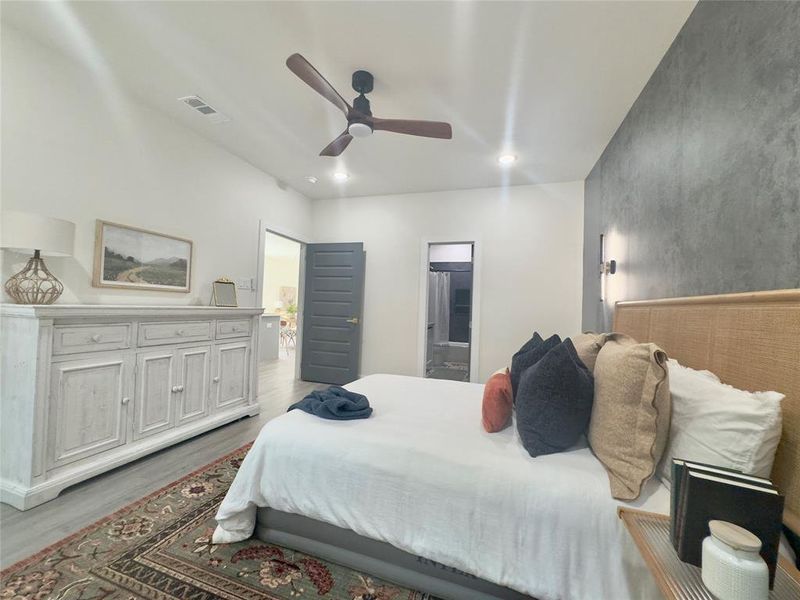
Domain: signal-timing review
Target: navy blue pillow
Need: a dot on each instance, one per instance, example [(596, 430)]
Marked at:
[(532, 343), (535, 340), (528, 355), (554, 401)]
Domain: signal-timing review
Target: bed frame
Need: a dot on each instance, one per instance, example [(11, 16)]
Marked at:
[(751, 341), (345, 547)]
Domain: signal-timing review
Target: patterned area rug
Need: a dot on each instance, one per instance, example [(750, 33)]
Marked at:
[(159, 549)]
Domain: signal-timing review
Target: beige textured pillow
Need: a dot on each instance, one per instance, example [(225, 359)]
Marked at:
[(588, 345), (631, 412)]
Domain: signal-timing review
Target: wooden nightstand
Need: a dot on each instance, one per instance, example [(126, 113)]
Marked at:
[(679, 580)]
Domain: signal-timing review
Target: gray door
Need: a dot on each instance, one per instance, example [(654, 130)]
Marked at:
[(334, 294)]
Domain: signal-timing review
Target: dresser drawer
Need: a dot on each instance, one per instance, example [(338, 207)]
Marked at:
[(234, 328), (174, 332), (71, 339)]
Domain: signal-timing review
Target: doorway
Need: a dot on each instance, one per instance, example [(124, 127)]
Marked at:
[(450, 303), (280, 298)]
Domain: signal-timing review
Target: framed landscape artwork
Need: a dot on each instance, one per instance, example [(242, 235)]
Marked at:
[(129, 257), (287, 295)]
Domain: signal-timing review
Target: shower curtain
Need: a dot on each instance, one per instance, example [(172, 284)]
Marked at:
[(439, 305)]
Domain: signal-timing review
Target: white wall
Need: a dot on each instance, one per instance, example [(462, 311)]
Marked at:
[(76, 147), (531, 240)]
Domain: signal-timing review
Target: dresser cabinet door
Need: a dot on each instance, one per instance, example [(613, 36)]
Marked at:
[(155, 388), (231, 374), (88, 408), (194, 370)]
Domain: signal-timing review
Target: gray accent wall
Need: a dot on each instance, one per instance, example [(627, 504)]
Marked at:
[(698, 192)]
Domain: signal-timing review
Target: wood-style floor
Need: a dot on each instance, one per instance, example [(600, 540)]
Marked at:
[(23, 533)]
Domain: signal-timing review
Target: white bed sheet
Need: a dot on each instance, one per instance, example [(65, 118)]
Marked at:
[(422, 475)]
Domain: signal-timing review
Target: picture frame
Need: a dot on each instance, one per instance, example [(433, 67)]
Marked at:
[(130, 257), (223, 293), (287, 295)]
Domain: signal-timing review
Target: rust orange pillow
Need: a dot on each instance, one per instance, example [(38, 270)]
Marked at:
[(497, 401)]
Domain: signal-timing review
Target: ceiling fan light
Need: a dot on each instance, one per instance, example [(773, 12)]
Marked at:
[(359, 130), (341, 176)]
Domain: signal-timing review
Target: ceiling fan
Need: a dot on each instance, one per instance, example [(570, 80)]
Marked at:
[(360, 122)]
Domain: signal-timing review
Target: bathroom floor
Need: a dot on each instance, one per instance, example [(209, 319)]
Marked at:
[(453, 371)]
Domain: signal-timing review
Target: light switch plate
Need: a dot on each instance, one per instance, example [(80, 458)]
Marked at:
[(245, 283)]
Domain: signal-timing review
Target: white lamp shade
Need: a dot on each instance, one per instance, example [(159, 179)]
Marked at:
[(26, 232)]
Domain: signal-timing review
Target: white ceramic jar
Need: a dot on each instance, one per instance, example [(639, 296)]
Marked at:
[(732, 566)]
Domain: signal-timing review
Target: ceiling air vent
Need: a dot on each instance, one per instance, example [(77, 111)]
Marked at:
[(200, 105)]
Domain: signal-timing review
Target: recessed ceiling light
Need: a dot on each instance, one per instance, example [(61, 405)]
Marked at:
[(311, 179), (341, 176), (507, 159)]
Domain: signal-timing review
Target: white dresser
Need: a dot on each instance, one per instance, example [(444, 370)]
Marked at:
[(86, 388)]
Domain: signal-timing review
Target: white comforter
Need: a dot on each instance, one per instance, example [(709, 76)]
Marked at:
[(422, 475)]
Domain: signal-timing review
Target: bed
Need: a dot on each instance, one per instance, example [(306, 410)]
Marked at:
[(420, 495)]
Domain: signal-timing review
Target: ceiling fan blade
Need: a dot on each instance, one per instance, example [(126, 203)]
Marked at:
[(305, 71), (337, 146), (432, 129)]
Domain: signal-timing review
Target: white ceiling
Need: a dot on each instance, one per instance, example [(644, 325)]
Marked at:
[(549, 81)]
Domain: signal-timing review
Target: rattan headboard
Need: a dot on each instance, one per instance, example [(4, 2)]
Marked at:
[(750, 341)]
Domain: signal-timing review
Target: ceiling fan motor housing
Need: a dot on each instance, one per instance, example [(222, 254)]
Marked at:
[(361, 104), (362, 83)]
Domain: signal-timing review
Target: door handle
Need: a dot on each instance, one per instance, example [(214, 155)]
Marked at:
[(175, 389), (180, 388), (216, 379), (354, 320), (125, 400)]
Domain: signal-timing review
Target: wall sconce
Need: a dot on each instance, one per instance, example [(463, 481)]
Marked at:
[(607, 267)]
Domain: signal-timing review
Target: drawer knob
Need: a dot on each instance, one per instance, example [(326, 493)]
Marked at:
[(96, 338), (175, 389), (179, 332), (125, 400), (180, 388), (216, 379)]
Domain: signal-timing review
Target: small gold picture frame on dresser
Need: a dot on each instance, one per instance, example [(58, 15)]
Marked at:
[(224, 293)]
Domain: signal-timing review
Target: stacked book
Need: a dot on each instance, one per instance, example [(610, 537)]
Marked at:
[(701, 493)]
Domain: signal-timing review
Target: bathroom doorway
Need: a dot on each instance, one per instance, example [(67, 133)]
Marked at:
[(450, 305)]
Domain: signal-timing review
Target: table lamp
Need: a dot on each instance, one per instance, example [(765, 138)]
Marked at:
[(44, 236)]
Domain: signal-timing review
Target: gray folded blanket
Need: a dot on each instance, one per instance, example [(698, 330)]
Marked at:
[(335, 403)]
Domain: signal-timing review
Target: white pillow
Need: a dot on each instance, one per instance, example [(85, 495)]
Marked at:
[(718, 424)]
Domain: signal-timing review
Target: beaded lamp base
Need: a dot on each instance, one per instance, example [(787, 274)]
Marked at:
[(34, 284)]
